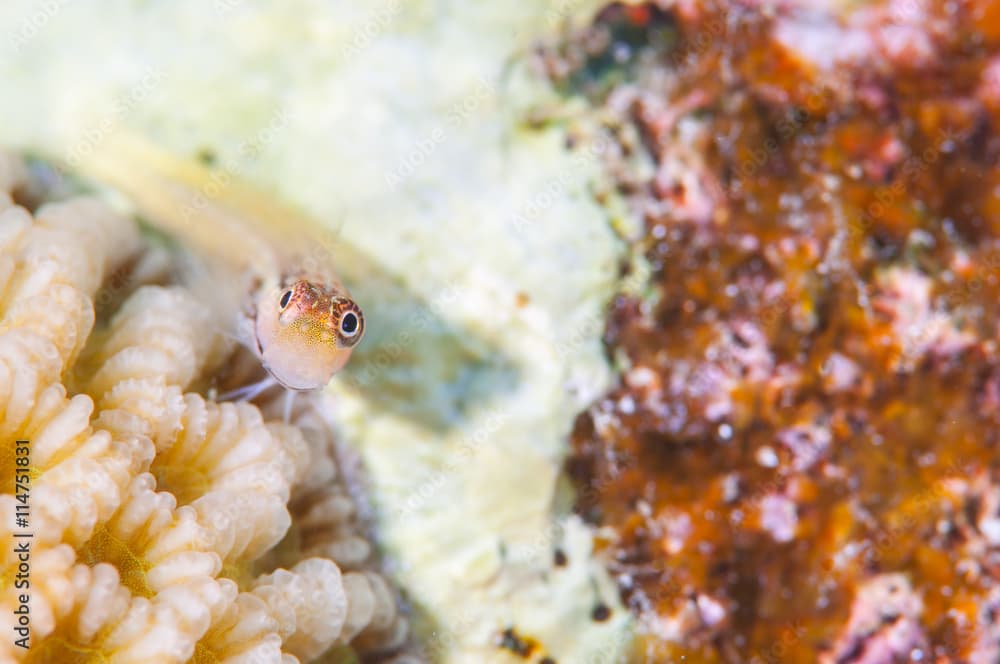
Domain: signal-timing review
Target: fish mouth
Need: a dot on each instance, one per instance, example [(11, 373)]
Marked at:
[(290, 388), (286, 385)]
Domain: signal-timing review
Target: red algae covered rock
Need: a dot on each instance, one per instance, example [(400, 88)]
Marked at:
[(809, 396)]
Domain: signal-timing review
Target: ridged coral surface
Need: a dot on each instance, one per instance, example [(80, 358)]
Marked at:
[(150, 507)]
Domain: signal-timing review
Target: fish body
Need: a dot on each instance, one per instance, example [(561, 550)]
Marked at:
[(305, 329), (294, 312)]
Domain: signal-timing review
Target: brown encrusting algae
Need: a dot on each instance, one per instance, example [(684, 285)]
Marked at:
[(799, 461)]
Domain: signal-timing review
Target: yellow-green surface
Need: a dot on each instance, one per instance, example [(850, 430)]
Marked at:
[(485, 262)]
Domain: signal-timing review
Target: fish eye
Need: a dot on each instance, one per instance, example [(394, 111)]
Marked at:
[(285, 298), (349, 324)]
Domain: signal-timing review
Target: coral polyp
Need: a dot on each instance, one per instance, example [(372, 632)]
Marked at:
[(159, 523)]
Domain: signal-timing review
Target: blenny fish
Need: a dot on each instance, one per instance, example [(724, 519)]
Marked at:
[(297, 316)]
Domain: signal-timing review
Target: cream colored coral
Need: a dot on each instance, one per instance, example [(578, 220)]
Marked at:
[(246, 633), (374, 623), (327, 524), (63, 257), (94, 613), (145, 498), (325, 515), (156, 346), (309, 603), (228, 446), (53, 264)]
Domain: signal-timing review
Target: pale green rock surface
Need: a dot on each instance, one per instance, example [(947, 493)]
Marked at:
[(402, 121)]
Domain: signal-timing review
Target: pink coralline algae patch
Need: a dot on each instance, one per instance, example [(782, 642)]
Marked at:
[(883, 627)]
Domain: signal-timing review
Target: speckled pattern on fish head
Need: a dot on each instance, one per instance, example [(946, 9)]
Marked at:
[(306, 330)]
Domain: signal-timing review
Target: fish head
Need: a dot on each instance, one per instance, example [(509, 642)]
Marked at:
[(306, 331)]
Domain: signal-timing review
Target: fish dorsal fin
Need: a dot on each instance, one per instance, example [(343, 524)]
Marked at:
[(214, 211)]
